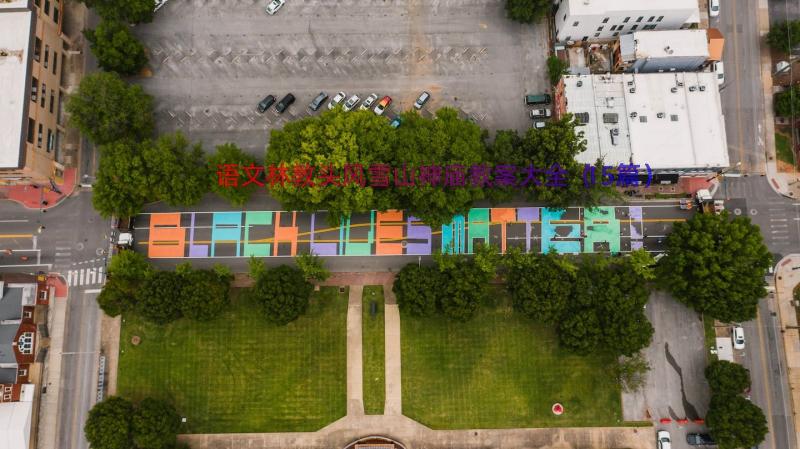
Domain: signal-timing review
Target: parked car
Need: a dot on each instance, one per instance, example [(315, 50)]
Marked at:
[(713, 8), (699, 439), (337, 100), (368, 102), (663, 440), (317, 102), (396, 122), (382, 105), (351, 102), (265, 104), (422, 99), (719, 68), (539, 124), (738, 337), (284, 103), (537, 99), (541, 113), (274, 6)]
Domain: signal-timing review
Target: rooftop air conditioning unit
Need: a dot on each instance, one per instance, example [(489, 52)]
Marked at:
[(632, 90), (692, 88), (680, 83), (630, 83), (634, 114), (702, 88), (579, 83), (674, 90), (660, 115)]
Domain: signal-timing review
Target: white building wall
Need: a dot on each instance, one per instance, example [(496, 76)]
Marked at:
[(598, 20)]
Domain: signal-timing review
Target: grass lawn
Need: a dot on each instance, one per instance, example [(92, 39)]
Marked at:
[(240, 373), (373, 351), (501, 370), (710, 337), (783, 148)]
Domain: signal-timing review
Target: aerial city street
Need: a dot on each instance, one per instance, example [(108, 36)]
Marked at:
[(277, 224)]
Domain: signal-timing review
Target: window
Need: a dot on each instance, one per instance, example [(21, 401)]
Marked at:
[(28, 313), (615, 34), (6, 397), (634, 27), (47, 7), (619, 28), (37, 49), (626, 20), (660, 18), (25, 343), (575, 24), (51, 140), (46, 55), (55, 14), (55, 61), (568, 38), (31, 129), (599, 28), (39, 137), (52, 99), (651, 18), (649, 27), (585, 38), (613, 27), (44, 93), (22, 372), (640, 18), (605, 20), (34, 90), (596, 34)]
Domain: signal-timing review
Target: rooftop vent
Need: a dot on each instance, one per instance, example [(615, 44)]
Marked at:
[(692, 88), (642, 119), (632, 90), (673, 117), (680, 83), (579, 83), (660, 115), (668, 50), (702, 88), (674, 90), (634, 114)]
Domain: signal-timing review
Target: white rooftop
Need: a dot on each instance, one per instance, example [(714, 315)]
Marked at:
[(14, 41), (590, 7), (13, 4), (15, 424), (664, 44), (680, 129)]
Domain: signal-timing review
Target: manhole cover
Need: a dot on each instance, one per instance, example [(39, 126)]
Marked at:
[(737, 211), (753, 212), (79, 246)]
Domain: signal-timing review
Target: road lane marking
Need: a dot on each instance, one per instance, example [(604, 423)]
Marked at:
[(93, 290), (13, 221), (766, 378), (15, 236)]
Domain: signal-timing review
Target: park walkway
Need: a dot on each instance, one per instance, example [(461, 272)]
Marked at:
[(355, 365)]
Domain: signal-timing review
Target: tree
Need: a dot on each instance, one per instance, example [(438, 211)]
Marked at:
[(313, 267), (580, 331), (487, 259), (527, 11), (158, 299), (463, 283), (204, 293), (105, 109), (231, 155), (177, 174), (556, 67), (116, 297), (643, 264), (131, 11), (726, 378), (108, 425), (541, 285), (631, 372), (716, 266), (122, 187), (155, 425), (735, 422), (116, 48), (784, 36), (787, 103), (417, 289), (126, 272), (129, 266), (283, 293)]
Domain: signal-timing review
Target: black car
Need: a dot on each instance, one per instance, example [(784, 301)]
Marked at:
[(699, 439), (318, 101), (265, 104), (284, 103)]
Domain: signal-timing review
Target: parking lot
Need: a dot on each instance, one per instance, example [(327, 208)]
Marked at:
[(212, 61)]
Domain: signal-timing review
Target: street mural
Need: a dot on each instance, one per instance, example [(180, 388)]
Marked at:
[(389, 233)]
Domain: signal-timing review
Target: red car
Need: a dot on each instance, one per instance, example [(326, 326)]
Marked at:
[(382, 105)]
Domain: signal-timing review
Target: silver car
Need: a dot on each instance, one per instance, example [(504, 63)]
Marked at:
[(351, 103)]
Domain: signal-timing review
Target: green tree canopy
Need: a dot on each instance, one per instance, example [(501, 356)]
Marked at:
[(130, 266), (528, 11), (177, 173), (556, 67), (204, 293), (727, 378), (155, 425), (465, 287), (312, 266), (540, 285), (735, 422), (417, 289), (116, 297), (106, 110), (116, 48), (787, 103), (159, 298), (784, 36), (716, 266), (122, 187), (131, 11), (631, 372), (108, 425), (126, 272), (283, 292), (230, 154)]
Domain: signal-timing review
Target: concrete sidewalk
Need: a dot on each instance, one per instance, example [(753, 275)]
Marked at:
[(355, 359), (393, 404), (786, 278), (47, 431)]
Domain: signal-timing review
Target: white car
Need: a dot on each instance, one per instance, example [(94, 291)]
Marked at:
[(738, 337), (274, 6), (664, 442), (368, 102), (337, 100), (351, 103), (719, 69), (713, 8)]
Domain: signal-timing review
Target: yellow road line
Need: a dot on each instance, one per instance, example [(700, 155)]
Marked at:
[(15, 236)]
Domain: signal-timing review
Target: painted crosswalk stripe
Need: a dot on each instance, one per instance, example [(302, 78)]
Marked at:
[(90, 276), (101, 276), (80, 277)]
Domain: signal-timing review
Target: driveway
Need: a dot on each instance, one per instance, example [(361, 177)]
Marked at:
[(212, 61), (676, 387)]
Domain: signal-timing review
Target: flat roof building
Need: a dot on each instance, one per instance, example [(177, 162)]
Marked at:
[(661, 51), (599, 20), (671, 121)]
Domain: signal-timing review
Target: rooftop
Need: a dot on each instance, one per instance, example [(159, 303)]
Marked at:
[(15, 424), (14, 48), (666, 120), (14, 4), (7, 334), (664, 44), (590, 7)]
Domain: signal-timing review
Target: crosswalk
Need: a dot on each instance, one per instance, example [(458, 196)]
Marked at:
[(86, 276)]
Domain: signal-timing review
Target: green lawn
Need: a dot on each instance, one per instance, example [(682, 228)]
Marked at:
[(239, 373), (783, 147), (373, 347), (710, 337), (500, 370)]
